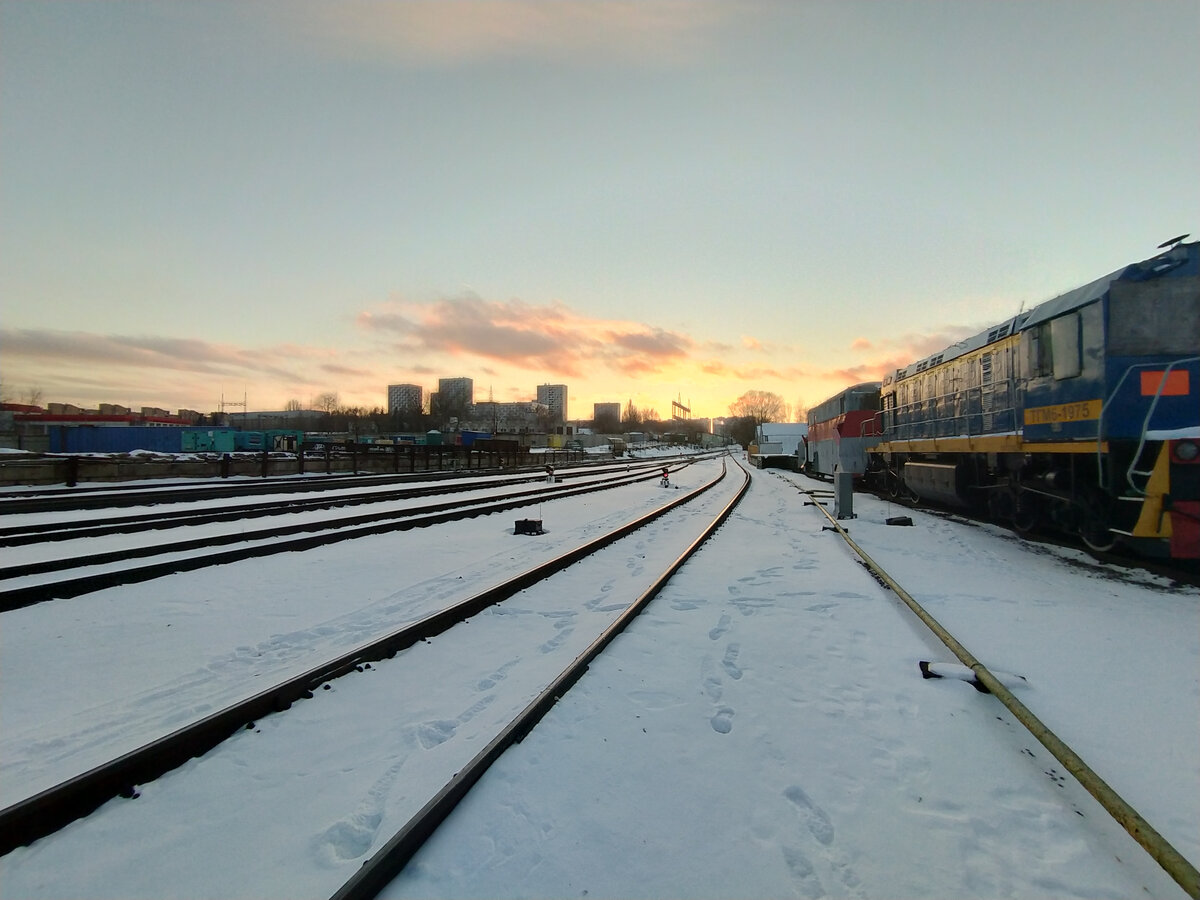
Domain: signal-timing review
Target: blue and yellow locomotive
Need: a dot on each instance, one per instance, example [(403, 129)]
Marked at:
[(1083, 412)]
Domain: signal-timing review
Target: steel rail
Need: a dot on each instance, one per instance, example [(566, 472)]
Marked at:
[(378, 871), (344, 529), (291, 502), (20, 535), (57, 806), (1171, 860), (119, 495), (96, 559)]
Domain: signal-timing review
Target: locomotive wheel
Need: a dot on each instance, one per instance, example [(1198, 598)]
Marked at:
[(895, 484), (1094, 528), (1098, 537), (1002, 505), (1026, 513)]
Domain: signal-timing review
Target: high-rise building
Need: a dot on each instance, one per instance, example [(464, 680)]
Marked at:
[(606, 411), (519, 417), (554, 397), (404, 398), (454, 397)]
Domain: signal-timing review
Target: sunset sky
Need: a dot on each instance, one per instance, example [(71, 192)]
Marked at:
[(643, 200)]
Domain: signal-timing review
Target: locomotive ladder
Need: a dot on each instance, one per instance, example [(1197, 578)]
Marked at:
[(1132, 470)]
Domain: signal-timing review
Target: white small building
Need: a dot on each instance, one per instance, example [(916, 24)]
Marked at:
[(782, 438)]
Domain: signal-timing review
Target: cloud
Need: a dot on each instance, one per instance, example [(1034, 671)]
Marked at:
[(721, 369), (765, 348), (905, 349), (655, 343), (433, 32), (548, 338), (76, 348), (499, 343), (346, 371), (75, 366), (892, 353)]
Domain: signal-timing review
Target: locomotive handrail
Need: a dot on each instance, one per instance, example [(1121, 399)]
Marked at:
[(899, 428), (870, 423), (1131, 471)]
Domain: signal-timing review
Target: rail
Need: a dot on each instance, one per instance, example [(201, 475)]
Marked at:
[(1170, 859), (314, 534), (386, 864), (51, 809)]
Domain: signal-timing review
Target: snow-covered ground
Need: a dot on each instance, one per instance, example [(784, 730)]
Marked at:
[(467, 491), (762, 730)]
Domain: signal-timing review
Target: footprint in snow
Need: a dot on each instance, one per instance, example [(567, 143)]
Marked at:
[(722, 627), (813, 816), (802, 871), (722, 722), (729, 663), (352, 836), (430, 734)]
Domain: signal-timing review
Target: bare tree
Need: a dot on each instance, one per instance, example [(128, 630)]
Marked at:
[(741, 429), (801, 410), (631, 418), (606, 423), (762, 406), (327, 402), (293, 406)]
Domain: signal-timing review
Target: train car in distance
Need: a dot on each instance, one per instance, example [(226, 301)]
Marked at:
[(841, 431)]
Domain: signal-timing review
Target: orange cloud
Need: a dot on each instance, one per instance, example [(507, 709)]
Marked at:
[(893, 353), (547, 338), (424, 32)]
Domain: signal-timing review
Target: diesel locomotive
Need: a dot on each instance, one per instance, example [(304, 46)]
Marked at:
[(1082, 413)]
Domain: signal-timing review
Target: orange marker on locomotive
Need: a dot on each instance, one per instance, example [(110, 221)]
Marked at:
[(1082, 414)]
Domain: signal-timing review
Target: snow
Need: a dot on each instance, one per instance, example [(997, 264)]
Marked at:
[(761, 730)]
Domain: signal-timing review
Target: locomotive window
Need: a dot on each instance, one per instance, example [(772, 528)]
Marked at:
[(1041, 356), (1158, 316), (1067, 360)]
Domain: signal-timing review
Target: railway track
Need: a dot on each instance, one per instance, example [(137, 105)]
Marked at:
[(331, 490), (49, 810), (278, 503), (118, 495), (1184, 572), (1158, 847), (78, 569), (368, 763)]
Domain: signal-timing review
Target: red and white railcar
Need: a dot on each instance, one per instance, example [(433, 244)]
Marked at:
[(841, 431)]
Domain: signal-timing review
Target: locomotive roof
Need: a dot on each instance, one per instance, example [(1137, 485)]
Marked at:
[(1056, 306), (982, 339), (864, 387), (1140, 271)]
